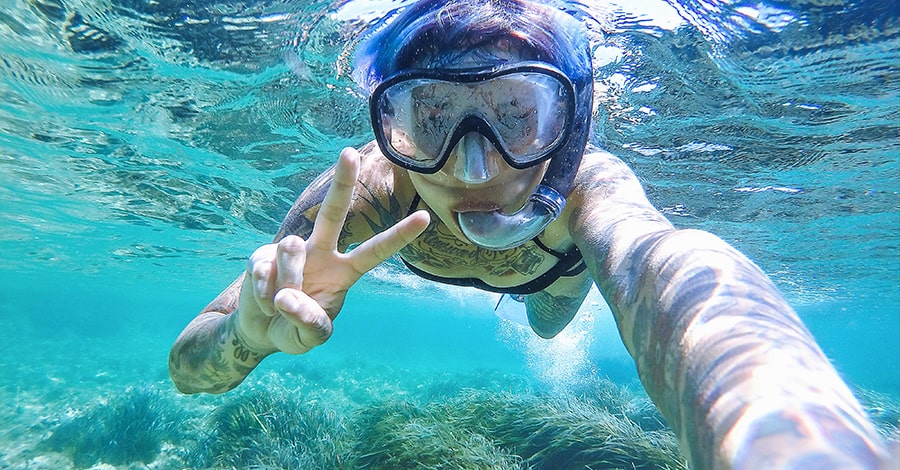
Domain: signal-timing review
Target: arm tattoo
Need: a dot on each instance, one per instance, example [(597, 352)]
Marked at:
[(387, 216), (227, 301), (210, 357), (382, 219), (439, 248), (717, 347), (549, 314), (296, 221)]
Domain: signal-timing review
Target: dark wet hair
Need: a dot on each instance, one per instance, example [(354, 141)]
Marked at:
[(431, 31)]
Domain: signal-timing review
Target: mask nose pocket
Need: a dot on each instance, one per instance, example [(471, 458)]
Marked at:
[(473, 161)]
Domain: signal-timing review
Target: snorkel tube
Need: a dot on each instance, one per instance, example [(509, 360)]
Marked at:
[(498, 231)]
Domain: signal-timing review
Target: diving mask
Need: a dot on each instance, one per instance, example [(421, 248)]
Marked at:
[(525, 110)]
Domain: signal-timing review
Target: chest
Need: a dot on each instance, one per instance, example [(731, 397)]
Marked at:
[(438, 252)]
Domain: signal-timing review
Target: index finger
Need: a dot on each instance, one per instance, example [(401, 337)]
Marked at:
[(333, 212)]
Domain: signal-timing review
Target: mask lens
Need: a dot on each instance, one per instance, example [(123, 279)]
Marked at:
[(528, 114), (412, 124), (420, 119)]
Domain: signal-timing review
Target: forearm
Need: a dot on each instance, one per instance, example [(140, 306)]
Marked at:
[(727, 360), (209, 356)]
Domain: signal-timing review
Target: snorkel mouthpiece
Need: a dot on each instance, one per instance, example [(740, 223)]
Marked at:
[(497, 231)]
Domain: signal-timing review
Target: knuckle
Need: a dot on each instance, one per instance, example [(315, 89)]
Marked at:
[(310, 324), (381, 254), (262, 253), (331, 214), (384, 250), (261, 271), (292, 244)]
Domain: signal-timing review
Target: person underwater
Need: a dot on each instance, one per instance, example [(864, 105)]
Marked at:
[(481, 175)]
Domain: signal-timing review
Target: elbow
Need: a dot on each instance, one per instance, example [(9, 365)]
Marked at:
[(185, 376), (176, 372), (190, 378)]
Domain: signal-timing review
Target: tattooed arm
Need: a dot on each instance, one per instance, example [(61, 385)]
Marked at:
[(719, 350), (291, 291), (550, 310), (209, 356)]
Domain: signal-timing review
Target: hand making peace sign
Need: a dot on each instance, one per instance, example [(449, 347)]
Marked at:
[(294, 289)]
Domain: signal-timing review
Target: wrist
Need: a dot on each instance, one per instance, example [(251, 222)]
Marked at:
[(244, 348)]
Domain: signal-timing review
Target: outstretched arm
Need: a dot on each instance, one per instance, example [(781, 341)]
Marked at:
[(718, 349), (291, 291)]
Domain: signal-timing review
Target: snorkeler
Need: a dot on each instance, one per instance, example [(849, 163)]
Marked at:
[(481, 175)]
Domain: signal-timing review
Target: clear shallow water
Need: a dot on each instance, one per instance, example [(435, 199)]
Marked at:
[(146, 148)]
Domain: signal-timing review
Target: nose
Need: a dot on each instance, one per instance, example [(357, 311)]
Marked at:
[(474, 163)]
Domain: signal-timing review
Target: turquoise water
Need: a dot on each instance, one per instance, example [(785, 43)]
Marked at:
[(147, 148)]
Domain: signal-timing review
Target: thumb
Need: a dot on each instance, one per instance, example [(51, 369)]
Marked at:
[(306, 325)]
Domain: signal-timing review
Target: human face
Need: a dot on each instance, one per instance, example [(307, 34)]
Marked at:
[(501, 188), (475, 175)]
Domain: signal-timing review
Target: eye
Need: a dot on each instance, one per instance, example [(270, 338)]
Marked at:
[(513, 113), (430, 114)]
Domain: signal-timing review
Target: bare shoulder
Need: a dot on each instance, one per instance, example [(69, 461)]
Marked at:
[(382, 197), (608, 205), (375, 205), (380, 177), (603, 174)]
